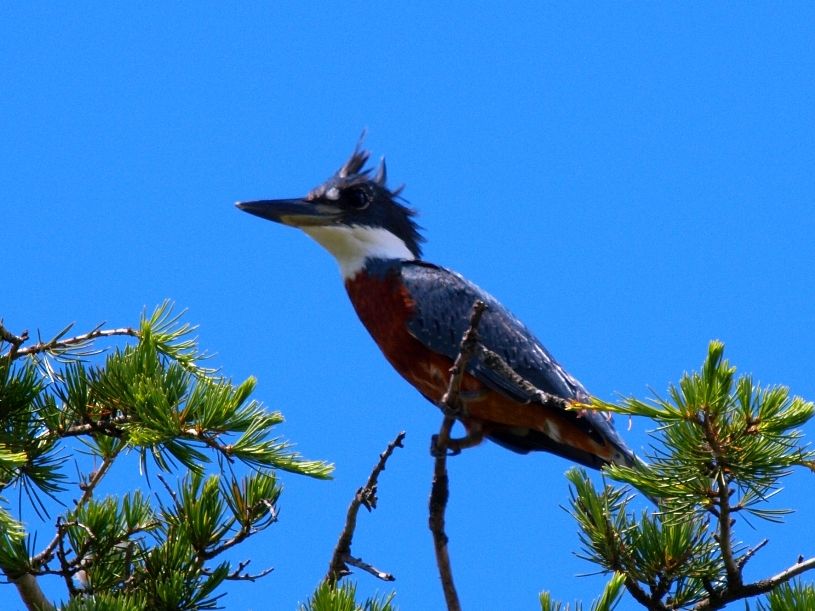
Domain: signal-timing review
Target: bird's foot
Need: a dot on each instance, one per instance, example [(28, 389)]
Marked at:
[(449, 449), (455, 445)]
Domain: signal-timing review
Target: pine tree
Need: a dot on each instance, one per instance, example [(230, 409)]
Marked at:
[(152, 400), (722, 447)]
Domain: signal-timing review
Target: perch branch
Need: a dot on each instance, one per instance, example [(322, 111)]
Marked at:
[(440, 492)]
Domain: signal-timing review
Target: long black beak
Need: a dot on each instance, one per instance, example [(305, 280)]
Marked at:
[(293, 212)]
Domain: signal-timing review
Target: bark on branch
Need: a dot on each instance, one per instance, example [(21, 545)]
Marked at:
[(58, 343), (366, 496), (440, 492), (31, 593), (762, 586)]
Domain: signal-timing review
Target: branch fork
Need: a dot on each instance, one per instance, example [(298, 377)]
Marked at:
[(366, 497)]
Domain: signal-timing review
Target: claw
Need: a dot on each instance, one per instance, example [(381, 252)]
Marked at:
[(436, 451), (454, 445)]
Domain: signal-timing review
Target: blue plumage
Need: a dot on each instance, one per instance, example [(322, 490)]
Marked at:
[(443, 301)]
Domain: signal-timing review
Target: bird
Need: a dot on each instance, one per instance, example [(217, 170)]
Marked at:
[(417, 312)]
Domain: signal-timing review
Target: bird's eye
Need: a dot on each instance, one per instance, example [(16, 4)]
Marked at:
[(357, 199)]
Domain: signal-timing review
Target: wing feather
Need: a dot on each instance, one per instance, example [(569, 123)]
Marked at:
[(443, 301)]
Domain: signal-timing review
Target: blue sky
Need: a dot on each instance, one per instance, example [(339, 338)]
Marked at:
[(631, 179)]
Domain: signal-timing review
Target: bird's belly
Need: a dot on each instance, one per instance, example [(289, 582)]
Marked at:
[(492, 409)]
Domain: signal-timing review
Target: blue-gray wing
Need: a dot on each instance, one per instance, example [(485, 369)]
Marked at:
[(444, 301)]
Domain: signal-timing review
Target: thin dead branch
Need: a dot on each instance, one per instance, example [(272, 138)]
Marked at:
[(440, 491), (732, 593), (58, 343), (366, 496), (15, 340), (369, 568)]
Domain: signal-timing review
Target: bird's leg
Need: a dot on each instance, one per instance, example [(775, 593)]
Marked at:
[(454, 446)]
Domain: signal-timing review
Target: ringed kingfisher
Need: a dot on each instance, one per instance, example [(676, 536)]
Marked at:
[(417, 312)]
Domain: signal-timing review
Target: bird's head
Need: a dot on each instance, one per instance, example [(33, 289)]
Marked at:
[(353, 214)]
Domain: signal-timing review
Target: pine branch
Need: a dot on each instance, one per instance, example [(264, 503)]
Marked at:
[(27, 584), (109, 426), (30, 592), (15, 340), (722, 504), (87, 487), (149, 397), (763, 586), (719, 436), (58, 344)]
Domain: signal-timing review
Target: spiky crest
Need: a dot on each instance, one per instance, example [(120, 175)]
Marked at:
[(389, 209)]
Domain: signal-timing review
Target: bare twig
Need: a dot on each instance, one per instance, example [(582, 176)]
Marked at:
[(440, 492), (726, 533), (169, 489), (58, 344), (8, 336), (751, 552), (765, 585), (244, 532), (65, 567), (337, 568), (649, 602), (15, 340), (238, 574), (730, 594), (93, 481), (87, 487), (361, 564)]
